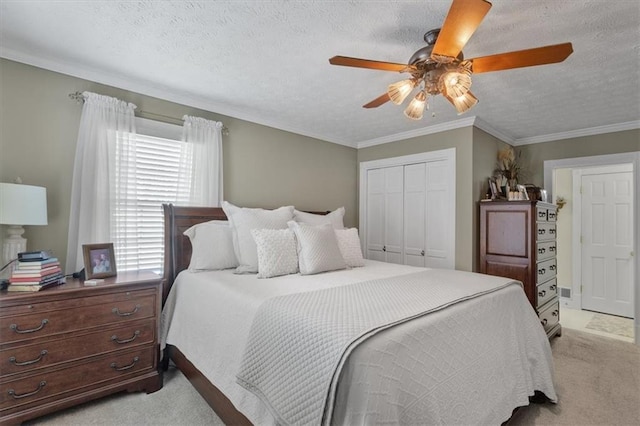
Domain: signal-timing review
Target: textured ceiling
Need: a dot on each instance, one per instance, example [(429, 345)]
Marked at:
[(267, 61)]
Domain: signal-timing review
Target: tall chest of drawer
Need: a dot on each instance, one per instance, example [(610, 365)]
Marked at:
[(67, 345), (518, 240)]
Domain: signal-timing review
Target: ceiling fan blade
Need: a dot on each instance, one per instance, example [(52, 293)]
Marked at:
[(377, 101), (366, 63), (461, 22), (522, 58)]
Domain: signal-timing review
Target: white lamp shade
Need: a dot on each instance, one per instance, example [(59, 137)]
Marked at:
[(22, 204)]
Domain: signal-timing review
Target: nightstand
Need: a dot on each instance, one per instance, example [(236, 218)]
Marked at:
[(66, 345)]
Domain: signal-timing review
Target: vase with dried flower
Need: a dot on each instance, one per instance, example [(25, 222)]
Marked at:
[(508, 166)]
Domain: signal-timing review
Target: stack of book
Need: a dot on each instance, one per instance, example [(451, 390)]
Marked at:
[(35, 275)]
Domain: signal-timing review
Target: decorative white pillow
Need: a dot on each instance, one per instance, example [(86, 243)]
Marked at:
[(211, 246), (349, 244), (277, 252), (335, 218), (242, 221), (318, 249)]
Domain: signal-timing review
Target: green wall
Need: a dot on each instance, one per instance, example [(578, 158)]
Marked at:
[(263, 166)]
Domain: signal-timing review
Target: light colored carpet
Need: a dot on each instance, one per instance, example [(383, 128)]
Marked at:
[(597, 381), (610, 324)]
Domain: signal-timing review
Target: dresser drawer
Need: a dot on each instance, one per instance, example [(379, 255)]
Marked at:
[(545, 270), (546, 292), (552, 215), (70, 318), (545, 250), (545, 231), (38, 388), (541, 214), (550, 316), (49, 352)]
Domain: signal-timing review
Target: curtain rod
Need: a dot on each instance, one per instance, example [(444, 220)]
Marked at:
[(78, 97)]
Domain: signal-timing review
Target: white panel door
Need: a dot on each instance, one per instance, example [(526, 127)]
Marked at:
[(393, 214), (438, 216), (607, 243), (375, 215), (415, 182)]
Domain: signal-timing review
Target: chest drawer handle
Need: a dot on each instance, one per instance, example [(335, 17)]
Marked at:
[(541, 250), (12, 360), (543, 322), (541, 231), (125, 314), (126, 367), (555, 313), (24, 395), (553, 287), (542, 293), (542, 271), (15, 328), (552, 267), (135, 335), (552, 249)]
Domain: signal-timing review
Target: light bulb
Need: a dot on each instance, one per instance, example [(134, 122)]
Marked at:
[(455, 84), (399, 91), (416, 108)]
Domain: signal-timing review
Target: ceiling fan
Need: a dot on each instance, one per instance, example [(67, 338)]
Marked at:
[(440, 67)]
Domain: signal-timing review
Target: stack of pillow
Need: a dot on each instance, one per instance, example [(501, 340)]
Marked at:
[(274, 242)]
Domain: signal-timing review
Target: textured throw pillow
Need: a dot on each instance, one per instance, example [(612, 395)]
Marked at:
[(211, 246), (318, 249), (277, 252), (242, 221), (349, 244), (335, 218)]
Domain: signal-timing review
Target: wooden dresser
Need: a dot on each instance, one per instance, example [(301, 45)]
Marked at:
[(69, 344), (518, 240)]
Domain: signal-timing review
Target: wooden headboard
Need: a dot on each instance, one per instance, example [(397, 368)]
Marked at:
[(177, 247)]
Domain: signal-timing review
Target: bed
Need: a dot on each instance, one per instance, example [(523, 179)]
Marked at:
[(473, 361)]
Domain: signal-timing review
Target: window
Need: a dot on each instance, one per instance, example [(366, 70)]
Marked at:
[(152, 167)]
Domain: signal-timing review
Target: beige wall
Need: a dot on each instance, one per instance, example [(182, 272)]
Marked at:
[(262, 166), (461, 140), (535, 154)]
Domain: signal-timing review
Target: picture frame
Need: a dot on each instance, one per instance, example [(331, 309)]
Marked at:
[(493, 187), (523, 192), (99, 260)]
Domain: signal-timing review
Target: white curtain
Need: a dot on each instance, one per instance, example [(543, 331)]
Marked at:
[(107, 132), (201, 162)]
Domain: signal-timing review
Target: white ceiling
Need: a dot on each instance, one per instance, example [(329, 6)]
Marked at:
[(267, 61)]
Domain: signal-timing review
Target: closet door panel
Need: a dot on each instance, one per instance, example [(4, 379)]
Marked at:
[(414, 214), (393, 217), (437, 215), (375, 215)]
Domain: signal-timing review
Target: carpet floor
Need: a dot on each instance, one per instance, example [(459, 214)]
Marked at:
[(597, 380)]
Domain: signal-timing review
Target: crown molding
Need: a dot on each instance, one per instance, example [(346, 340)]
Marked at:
[(456, 124), (486, 127), (590, 131), (161, 92)]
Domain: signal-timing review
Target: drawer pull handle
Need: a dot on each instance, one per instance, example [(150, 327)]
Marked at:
[(553, 287), (24, 395), (135, 335), (125, 314), (541, 250), (543, 322), (542, 271), (15, 328), (126, 367), (552, 248), (541, 214), (33, 361), (554, 313), (552, 231), (541, 231), (542, 293), (552, 267), (422, 253)]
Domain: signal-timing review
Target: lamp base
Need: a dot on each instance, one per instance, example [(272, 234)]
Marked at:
[(13, 244)]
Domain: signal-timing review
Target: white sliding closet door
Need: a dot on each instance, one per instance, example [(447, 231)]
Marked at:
[(407, 209), (415, 200)]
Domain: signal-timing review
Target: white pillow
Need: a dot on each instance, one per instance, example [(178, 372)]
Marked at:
[(277, 252), (242, 221), (335, 218), (349, 244), (211, 246), (318, 249)]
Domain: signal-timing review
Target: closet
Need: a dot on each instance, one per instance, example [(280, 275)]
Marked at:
[(407, 209)]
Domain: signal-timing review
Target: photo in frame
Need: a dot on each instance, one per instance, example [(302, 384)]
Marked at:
[(523, 192), (99, 260)]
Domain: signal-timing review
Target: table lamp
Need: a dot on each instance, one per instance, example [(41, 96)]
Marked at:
[(20, 205)]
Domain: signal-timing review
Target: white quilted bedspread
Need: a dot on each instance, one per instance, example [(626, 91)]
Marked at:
[(298, 343)]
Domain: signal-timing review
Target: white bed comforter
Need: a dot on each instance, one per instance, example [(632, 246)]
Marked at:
[(471, 363)]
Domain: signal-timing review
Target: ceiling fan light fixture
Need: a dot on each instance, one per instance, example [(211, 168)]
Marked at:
[(463, 103), (416, 108), (399, 91), (455, 84)]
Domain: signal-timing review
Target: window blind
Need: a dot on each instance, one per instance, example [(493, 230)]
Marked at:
[(152, 167)]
